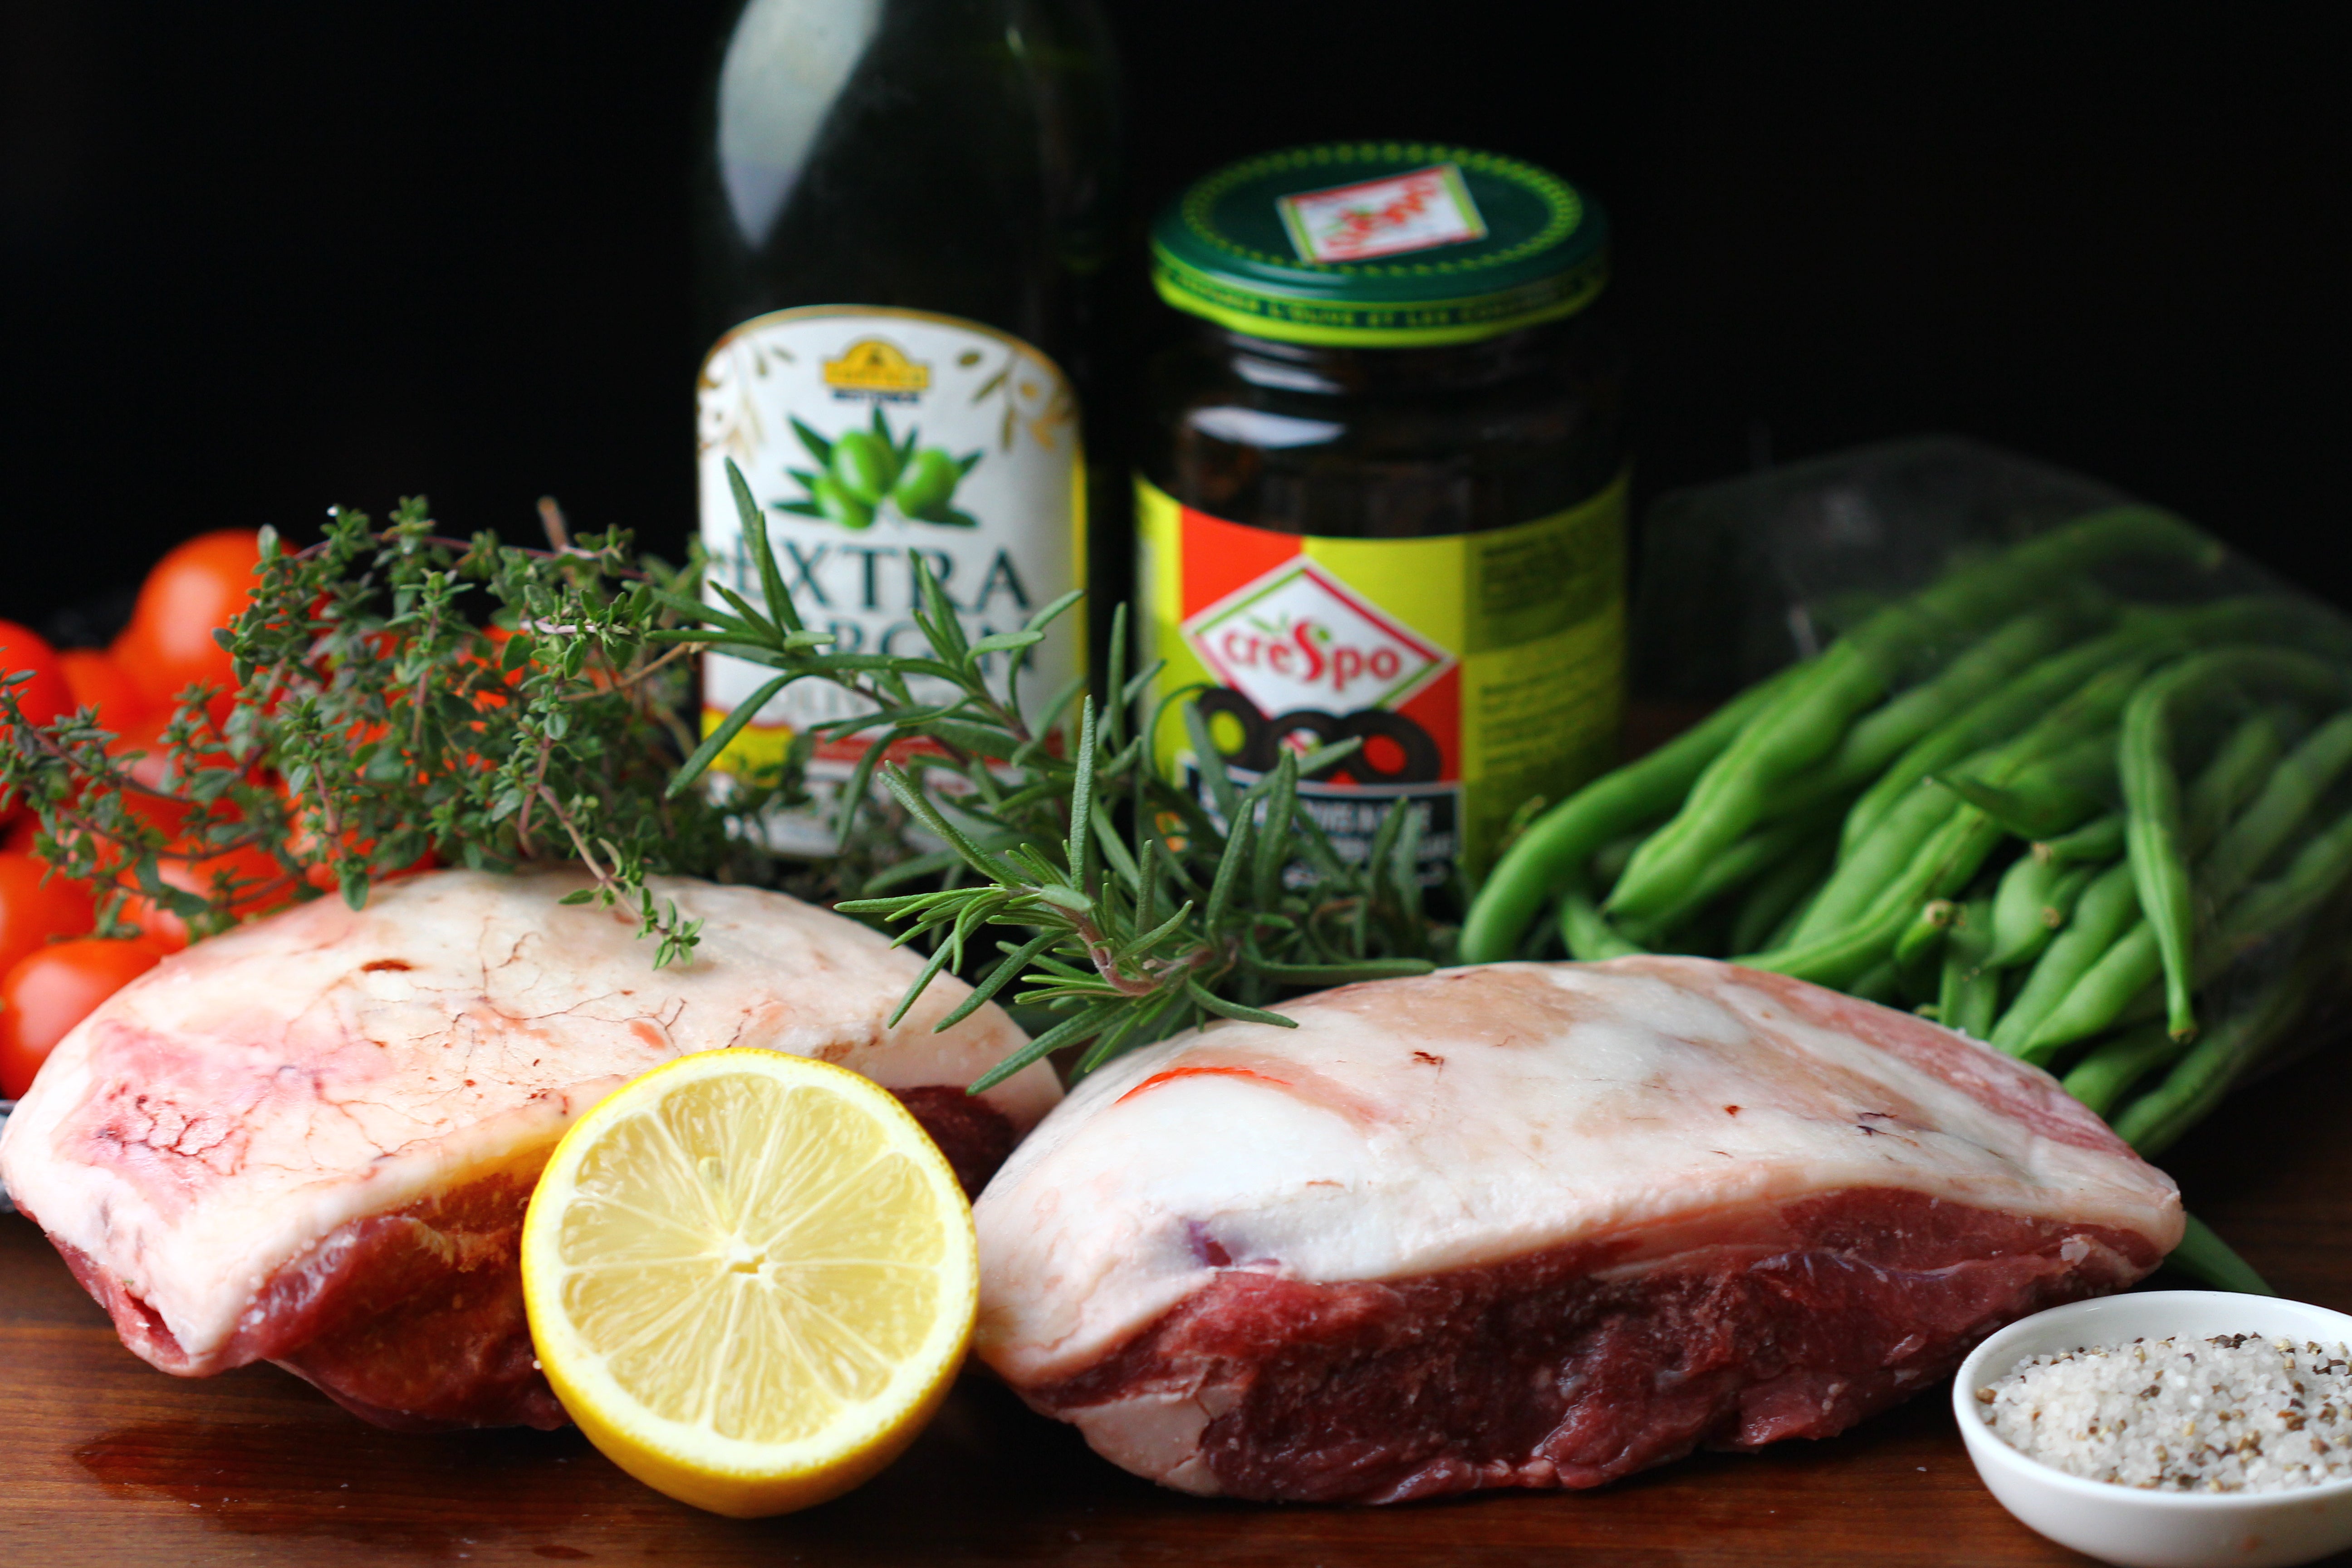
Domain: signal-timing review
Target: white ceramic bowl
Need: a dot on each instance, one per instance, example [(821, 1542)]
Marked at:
[(2129, 1525)]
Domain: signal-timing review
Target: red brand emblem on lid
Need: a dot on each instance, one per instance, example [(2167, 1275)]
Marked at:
[(1413, 211)]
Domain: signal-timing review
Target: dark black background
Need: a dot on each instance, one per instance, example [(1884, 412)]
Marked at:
[(255, 258)]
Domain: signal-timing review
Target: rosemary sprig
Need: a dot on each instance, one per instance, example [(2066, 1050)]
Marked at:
[(1117, 899)]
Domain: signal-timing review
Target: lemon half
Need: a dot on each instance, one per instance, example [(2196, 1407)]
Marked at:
[(750, 1278)]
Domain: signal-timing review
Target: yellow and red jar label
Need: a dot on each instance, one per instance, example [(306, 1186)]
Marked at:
[(1477, 670)]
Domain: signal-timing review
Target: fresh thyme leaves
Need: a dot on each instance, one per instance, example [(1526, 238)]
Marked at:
[(379, 725), (1133, 909)]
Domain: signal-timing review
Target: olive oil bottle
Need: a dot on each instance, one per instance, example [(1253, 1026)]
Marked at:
[(904, 207)]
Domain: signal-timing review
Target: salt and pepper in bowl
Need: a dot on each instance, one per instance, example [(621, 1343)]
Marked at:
[(2215, 1414)]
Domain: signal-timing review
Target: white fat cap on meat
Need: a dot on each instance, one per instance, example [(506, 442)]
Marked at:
[(1467, 1117), (220, 1115)]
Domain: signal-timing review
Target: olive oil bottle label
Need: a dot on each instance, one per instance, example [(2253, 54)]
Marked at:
[(1478, 671), (874, 439)]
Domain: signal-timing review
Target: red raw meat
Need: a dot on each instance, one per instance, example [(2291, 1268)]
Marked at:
[(1536, 1226), (311, 1141)]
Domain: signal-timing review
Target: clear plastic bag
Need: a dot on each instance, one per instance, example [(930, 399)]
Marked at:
[(1740, 579)]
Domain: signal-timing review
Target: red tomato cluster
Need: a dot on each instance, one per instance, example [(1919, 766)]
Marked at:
[(53, 989), (194, 592), (52, 971)]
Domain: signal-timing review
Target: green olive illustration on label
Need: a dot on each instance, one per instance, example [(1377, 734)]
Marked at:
[(860, 472), (835, 503), (927, 485), (864, 465)]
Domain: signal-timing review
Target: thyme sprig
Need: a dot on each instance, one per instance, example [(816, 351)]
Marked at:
[(377, 724)]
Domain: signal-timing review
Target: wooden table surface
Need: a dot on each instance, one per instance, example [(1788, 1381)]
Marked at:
[(105, 1461)]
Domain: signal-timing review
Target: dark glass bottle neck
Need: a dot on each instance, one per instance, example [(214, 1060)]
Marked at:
[(955, 156)]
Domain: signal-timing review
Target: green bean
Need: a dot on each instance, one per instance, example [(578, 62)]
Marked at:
[(2095, 1001), (1861, 872), (2238, 768), (1889, 847), (1920, 953), (2154, 830), (2317, 870), (2107, 908), (2057, 909), (2198, 1080), (1777, 894), (2148, 634), (2095, 705), (2110, 991), (1881, 735), (2108, 920), (1992, 718), (2037, 799), (1978, 1004), (1975, 594), (2114, 1067), (1942, 866), (1838, 960), (2208, 1259), (1797, 729), (2114, 978), (2028, 890), (1957, 962), (1807, 721), (1925, 935), (1736, 866), (1587, 931), (2032, 697), (2096, 842), (2286, 800), (1969, 992), (1561, 840)]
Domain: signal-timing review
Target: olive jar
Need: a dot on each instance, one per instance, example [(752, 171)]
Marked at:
[(1383, 486)]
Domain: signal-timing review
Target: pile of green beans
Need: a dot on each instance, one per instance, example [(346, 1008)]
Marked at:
[(2113, 839)]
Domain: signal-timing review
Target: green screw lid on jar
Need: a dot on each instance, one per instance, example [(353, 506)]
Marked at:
[(1379, 244)]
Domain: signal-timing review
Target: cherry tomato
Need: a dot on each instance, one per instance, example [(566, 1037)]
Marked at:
[(98, 681), (18, 839), (196, 590), (41, 699), (51, 990), (33, 909)]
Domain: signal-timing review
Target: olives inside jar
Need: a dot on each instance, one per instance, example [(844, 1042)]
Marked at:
[(1383, 486)]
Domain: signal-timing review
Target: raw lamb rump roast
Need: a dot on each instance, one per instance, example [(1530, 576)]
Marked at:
[(310, 1141), (1536, 1226)]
